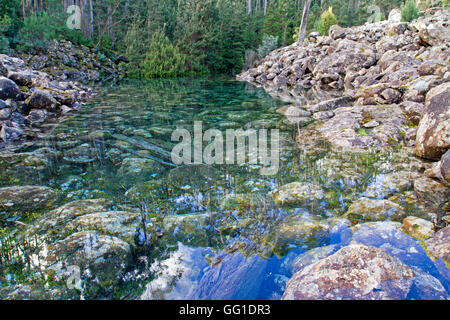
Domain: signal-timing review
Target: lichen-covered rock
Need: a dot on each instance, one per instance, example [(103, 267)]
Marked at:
[(354, 272), (25, 198), (433, 134), (297, 193), (365, 209)]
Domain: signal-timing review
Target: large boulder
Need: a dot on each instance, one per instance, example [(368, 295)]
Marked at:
[(433, 134), (355, 272)]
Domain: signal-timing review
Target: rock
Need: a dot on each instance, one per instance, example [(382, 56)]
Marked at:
[(138, 166), (8, 134), (22, 78), (83, 153), (292, 111), (391, 95), (365, 209), (431, 192), (444, 167), (337, 32), (300, 228), (101, 259), (26, 198), (418, 228), (354, 272), (331, 104), (8, 89), (5, 113), (385, 185), (395, 15), (57, 218), (297, 193), (439, 245), (120, 224), (37, 115), (433, 134), (323, 115), (433, 30), (41, 99), (413, 111)]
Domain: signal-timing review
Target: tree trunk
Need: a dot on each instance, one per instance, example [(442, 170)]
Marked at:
[(265, 7), (302, 31), (249, 7), (91, 15)]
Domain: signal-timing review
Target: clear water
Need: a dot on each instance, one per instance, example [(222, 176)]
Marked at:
[(244, 253)]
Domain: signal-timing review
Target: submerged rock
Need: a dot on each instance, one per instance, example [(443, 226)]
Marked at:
[(26, 198), (298, 193), (354, 272), (365, 209), (418, 228)]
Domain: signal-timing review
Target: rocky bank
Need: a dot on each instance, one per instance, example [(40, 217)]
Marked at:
[(37, 90)]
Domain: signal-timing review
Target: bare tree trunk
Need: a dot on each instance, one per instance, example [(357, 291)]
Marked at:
[(249, 7), (265, 7), (302, 31), (23, 9), (91, 14)]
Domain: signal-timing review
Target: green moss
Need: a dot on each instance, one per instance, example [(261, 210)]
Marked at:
[(362, 132)]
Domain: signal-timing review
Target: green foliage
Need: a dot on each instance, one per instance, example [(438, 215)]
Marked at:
[(410, 11), (327, 19), (163, 59), (269, 43), (5, 24), (39, 30)]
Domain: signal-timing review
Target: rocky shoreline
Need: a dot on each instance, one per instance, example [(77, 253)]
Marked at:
[(380, 86), (37, 91)]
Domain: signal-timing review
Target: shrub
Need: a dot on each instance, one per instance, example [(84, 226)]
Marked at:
[(410, 11), (269, 43), (327, 19), (163, 59)]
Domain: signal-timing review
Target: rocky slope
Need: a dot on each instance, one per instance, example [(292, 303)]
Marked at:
[(382, 86), (35, 91)]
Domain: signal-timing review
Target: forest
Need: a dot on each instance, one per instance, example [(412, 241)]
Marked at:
[(167, 38)]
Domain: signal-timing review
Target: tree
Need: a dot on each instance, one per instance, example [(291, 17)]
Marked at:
[(302, 31), (410, 11)]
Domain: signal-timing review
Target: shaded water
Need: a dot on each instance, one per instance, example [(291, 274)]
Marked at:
[(117, 146)]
